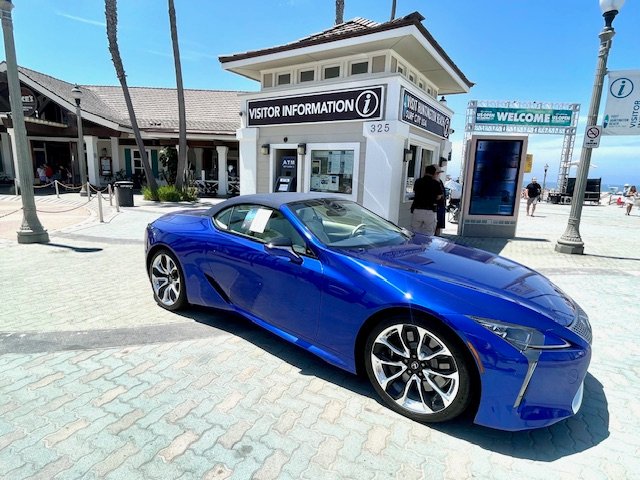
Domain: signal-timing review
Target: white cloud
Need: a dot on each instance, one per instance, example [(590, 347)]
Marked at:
[(82, 20)]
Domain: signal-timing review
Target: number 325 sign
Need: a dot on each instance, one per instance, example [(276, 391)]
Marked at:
[(372, 128)]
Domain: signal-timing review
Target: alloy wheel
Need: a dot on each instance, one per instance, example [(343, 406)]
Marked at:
[(166, 280), (415, 369)]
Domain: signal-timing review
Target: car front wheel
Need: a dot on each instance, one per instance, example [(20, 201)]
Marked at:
[(418, 369), (167, 281)]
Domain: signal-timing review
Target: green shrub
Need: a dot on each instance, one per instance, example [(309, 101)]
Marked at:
[(190, 194), (148, 195), (168, 193)]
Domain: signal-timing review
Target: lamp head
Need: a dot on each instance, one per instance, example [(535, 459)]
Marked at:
[(76, 92), (610, 9), (610, 5)]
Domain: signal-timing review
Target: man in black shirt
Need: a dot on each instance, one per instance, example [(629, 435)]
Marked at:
[(427, 192), (533, 192)]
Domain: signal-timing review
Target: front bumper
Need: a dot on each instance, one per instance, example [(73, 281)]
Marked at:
[(525, 391)]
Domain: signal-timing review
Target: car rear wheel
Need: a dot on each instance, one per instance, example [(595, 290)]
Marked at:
[(167, 280), (418, 369)]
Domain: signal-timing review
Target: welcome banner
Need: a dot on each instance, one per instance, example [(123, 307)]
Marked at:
[(538, 117)]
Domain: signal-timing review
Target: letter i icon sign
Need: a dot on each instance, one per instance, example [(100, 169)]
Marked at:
[(366, 103)]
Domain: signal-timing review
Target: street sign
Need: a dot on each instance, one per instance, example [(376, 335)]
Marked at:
[(622, 112), (592, 136)]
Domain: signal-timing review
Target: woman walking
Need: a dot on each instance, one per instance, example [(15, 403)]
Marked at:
[(630, 198)]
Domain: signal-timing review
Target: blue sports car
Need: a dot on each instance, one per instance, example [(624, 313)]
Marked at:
[(438, 328)]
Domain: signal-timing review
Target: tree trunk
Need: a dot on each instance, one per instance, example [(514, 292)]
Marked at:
[(339, 12), (111, 14), (182, 119), (393, 9)]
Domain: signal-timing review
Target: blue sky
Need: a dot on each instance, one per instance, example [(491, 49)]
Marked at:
[(525, 50)]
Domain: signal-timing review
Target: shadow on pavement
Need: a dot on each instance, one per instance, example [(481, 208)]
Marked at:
[(588, 428), (635, 259), (75, 249), (493, 245), (583, 431)]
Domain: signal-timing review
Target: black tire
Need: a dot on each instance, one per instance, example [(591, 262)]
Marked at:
[(418, 369), (167, 280)]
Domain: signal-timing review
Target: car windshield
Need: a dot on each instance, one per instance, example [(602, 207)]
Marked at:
[(345, 224)]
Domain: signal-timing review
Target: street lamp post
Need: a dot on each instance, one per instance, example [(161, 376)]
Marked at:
[(570, 242), (31, 230), (544, 179), (77, 95)]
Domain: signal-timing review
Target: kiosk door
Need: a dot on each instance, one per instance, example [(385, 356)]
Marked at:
[(286, 171)]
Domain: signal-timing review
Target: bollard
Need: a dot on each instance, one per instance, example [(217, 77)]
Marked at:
[(117, 202), (88, 192), (55, 183), (110, 194), (99, 195)]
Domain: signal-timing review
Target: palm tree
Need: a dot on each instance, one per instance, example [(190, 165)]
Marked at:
[(393, 9), (182, 119), (339, 12), (111, 14)]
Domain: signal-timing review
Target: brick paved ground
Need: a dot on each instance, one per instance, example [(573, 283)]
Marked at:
[(96, 381)]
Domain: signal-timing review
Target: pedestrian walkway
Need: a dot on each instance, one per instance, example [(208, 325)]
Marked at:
[(98, 382)]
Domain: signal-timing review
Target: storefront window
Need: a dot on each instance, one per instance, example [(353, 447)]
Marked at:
[(332, 171)]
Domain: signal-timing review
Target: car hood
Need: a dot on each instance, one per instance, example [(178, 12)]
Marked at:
[(447, 262)]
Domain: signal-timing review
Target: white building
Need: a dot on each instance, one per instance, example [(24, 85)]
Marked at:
[(352, 110)]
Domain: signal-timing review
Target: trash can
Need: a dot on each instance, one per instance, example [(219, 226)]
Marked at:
[(124, 193)]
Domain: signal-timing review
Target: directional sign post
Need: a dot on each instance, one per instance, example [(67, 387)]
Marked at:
[(592, 136)]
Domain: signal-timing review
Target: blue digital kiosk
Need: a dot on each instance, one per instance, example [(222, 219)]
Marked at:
[(493, 174)]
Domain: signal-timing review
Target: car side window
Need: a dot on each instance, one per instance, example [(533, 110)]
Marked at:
[(260, 223)]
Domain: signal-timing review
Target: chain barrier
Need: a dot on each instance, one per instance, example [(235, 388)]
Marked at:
[(64, 211), (45, 185), (68, 187), (105, 189), (10, 213)]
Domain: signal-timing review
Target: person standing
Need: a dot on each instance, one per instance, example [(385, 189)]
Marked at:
[(41, 174), (533, 191), (630, 199), (424, 207), (442, 203)]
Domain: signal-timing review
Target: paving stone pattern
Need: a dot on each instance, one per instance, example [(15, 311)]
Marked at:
[(88, 392)]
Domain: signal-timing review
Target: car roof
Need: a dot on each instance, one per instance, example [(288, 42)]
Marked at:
[(273, 200)]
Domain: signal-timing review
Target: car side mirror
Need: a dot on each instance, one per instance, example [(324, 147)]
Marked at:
[(283, 247)]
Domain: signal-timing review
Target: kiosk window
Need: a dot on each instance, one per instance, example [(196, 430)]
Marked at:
[(284, 79), (377, 64), (332, 171), (331, 72), (358, 68), (307, 76)]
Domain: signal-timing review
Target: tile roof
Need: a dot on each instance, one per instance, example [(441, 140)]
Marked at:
[(207, 111), (352, 28), (211, 111)]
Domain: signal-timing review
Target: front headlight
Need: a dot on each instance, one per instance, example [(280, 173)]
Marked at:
[(520, 337)]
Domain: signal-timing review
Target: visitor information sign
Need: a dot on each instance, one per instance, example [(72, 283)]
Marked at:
[(622, 112)]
